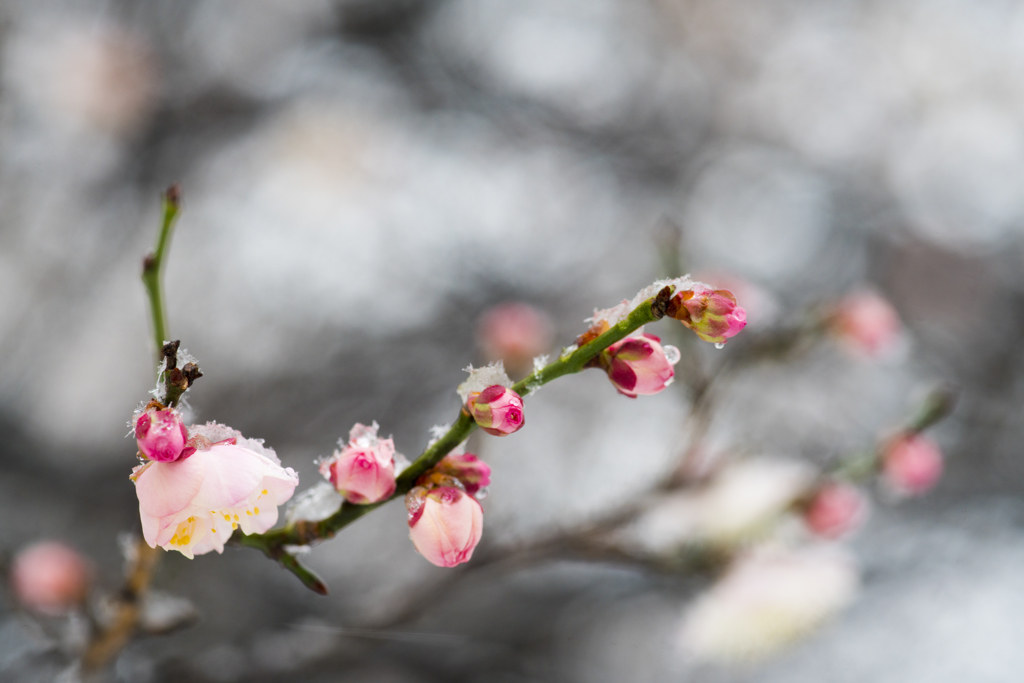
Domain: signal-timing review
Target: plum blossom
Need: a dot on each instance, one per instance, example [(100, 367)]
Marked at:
[(912, 464), (712, 314), (767, 599), (161, 434), (514, 333), (194, 504), (867, 323), (362, 470), (835, 510), (50, 577), (639, 366), (445, 524)]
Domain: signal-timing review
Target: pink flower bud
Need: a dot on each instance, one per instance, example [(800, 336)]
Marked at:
[(497, 409), (50, 577), (640, 366), (867, 323), (712, 313), (473, 472), (514, 333), (835, 510), (912, 464), (162, 435), (445, 524), (363, 471)]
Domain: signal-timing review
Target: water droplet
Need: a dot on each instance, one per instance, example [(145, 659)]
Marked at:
[(720, 345), (672, 354)]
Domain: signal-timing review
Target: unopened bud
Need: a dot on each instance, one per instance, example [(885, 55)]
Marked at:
[(835, 510), (445, 524), (471, 471), (50, 577), (514, 333), (497, 409), (711, 313), (161, 435), (640, 366), (912, 464), (363, 471), (866, 323)]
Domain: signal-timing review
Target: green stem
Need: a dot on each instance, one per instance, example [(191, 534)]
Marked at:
[(305, 532), (152, 267)]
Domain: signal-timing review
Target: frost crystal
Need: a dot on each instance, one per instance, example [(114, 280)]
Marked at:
[(481, 378), (215, 432), (436, 432), (315, 503), (616, 313), (362, 436), (539, 362)]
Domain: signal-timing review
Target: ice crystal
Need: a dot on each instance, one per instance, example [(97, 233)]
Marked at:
[(315, 503), (481, 378)]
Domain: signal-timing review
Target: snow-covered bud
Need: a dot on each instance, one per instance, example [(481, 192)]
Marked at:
[(712, 313), (162, 435), (867, 323), (497, 409), (445, 524), (363, 470), (640, 366), (473, 472), (194, 504), (50, 577), (912, 464), (514, 333), (835, 510)]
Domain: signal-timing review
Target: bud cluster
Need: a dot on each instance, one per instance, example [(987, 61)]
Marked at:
[(445, 516)]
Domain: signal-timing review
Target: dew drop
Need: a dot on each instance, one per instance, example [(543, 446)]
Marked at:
[(720, 345), (672, 355)]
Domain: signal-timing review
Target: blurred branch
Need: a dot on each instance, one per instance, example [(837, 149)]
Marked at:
[(306, 532), (106, 644)]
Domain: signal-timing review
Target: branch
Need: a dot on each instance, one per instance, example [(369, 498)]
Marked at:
[(304, 532), (105, 645), (152, 267)]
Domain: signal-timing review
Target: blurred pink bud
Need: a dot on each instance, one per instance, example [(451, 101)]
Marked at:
[(194, 504), (712, 313), (497, 409), (640, 366), (363, 473), (50, 577), (473, 472), (835, 510), (867, 323), (912, 464), (445, 524), (514, 333), (162, 435)]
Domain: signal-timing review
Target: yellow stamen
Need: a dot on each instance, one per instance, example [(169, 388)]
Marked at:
[(257, 510), (213, 530), (236, 518), (233, 525), (264, 492), (227, 518), (248, 513)]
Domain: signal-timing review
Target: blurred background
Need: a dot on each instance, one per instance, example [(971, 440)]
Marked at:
[(364, 179)]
